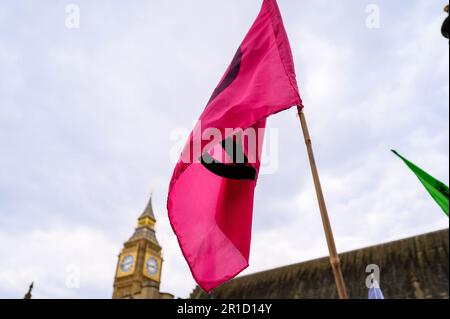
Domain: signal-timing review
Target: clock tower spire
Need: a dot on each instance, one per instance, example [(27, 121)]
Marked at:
[(138, 273)]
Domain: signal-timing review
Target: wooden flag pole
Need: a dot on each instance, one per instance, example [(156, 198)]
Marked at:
[(334, 257)]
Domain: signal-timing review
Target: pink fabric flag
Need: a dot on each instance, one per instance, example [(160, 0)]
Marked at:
[(210, 200)]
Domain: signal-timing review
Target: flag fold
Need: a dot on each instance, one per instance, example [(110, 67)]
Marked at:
[(438, 190)]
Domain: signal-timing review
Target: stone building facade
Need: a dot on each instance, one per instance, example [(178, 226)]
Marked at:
[(413, 268), (138, 272)]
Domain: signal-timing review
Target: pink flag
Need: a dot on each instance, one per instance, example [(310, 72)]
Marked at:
[(210, 200)]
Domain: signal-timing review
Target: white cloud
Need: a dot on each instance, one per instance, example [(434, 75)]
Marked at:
[(48, 257)]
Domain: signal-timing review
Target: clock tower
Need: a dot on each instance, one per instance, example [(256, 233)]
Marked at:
[(138, 272)]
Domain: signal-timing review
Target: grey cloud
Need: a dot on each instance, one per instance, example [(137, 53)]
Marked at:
[(86, 115)]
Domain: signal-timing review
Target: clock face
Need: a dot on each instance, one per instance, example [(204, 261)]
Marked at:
[(152, 266), (127, 263)]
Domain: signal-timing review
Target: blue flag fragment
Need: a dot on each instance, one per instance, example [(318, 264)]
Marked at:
[(375, 291)]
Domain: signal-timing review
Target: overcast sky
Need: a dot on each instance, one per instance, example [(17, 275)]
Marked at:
[(86, 116)]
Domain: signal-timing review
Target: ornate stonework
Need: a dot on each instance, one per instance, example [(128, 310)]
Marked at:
[(413, 268), (138, 272)]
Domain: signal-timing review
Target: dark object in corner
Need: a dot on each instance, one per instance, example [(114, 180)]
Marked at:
[(445, 25)]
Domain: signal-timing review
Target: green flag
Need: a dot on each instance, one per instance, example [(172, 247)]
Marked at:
[(438, 190)]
